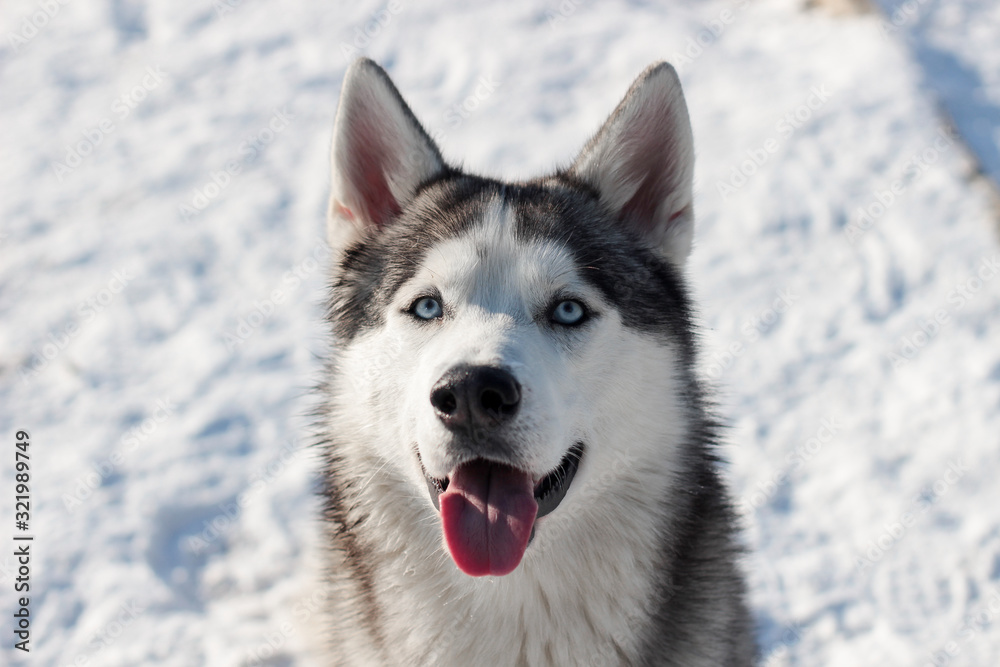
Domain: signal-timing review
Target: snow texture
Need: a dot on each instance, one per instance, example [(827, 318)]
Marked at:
[(164, 178)]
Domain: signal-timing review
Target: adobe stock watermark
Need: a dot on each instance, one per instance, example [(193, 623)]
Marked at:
[(31, 26), (94, 135), (87, 311), (264, 309), (883, 199), (786, 127), (896, 530), (230, 512), (225, 7), (86, 483), (275, 640), (972, 627), (549, 535), (563, 11), (902, 14), (752, 329), (610, 654), (248, 151), (112, 631), (910, 345), (457, 113), (713, 29), (790, 636), (108, 635), (362, 383), (372, 28), (799, 457)]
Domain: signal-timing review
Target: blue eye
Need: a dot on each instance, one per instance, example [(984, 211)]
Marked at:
[(568, 313), (427, 308)]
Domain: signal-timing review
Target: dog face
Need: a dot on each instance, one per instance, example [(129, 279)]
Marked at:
[(500, 333), (500, 344)]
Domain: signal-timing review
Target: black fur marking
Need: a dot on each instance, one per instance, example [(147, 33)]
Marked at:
[(372, 270), (700, 586), (700, 591), (635, 278)]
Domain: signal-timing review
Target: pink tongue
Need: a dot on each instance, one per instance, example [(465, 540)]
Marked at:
[(487, 512)]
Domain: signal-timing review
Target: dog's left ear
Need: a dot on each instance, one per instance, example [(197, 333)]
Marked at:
[(642, 162), (380, 157)]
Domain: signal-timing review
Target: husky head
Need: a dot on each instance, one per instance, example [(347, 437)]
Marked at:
[(507, 351)]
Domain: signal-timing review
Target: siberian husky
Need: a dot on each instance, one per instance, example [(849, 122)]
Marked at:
[(519, 464)]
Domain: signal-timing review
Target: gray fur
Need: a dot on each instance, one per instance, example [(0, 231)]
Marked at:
[(638, 565)]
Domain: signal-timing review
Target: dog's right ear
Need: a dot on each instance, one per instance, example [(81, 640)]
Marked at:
[(380, 157)]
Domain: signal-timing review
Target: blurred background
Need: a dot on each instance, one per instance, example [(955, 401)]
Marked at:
[(164, 171)]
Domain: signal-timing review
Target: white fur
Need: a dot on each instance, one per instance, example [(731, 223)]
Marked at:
[(586, 575)]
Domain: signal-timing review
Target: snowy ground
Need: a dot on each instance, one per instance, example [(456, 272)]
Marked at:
[(159, 317)]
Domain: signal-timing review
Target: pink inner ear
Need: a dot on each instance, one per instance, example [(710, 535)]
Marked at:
[(342, 211), (641, 208), (368, 162), (651, 162)]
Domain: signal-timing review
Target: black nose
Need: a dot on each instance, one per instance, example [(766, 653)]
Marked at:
[(475, 398)]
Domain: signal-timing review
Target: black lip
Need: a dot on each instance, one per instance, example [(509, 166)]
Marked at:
[(552, 489), (549, 492)]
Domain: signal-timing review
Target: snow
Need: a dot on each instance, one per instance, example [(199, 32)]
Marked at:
[(171, 479)]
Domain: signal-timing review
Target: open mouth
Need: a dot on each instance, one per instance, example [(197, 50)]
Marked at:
[(488, 509), (548, 492)]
